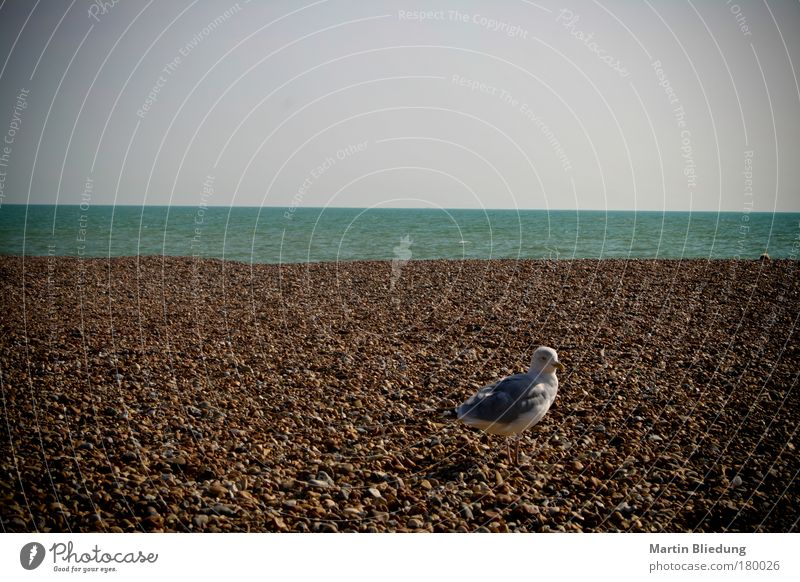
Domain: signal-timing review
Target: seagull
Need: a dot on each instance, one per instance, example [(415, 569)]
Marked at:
[(517, 402)]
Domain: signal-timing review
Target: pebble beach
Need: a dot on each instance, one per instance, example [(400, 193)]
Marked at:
[(196, 395)]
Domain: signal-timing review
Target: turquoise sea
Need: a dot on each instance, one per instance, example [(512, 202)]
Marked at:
[(273, 235)]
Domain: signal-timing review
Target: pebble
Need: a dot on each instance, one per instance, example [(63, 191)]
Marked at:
[(226, 510), (467, 512), (217, 489), (129, 457), (340, 417), (625, 508)]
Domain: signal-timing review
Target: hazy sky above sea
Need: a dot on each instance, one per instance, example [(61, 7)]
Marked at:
[(652, 105)]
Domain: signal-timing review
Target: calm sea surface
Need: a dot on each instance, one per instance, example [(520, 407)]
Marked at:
[(272, 235)]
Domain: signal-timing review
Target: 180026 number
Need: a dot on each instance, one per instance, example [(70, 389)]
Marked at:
[(762, 565)]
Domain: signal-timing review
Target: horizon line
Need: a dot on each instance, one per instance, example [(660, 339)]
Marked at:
[(406, 208), (661, 211)]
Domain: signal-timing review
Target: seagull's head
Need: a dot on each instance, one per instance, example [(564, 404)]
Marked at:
[(545, 360)]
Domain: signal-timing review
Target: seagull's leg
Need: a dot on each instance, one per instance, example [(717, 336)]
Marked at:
[(516, 449), (508, 449)]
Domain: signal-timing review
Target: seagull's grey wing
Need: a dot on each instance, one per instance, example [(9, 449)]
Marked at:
[(505, 401)]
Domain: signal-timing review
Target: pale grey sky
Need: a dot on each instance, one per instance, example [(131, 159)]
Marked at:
[(653, 105)]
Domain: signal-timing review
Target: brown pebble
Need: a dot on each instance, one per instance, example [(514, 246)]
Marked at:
[(318, 397)]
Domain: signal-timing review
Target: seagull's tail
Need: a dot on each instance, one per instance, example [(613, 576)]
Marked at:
[(463, 411)]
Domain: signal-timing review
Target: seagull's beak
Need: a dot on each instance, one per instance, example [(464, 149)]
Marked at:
[(559, 365)]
